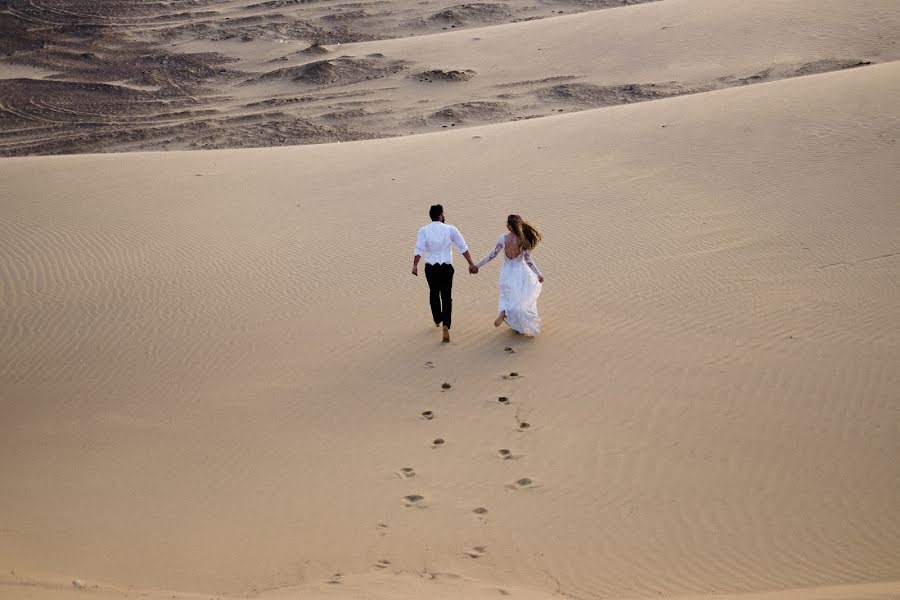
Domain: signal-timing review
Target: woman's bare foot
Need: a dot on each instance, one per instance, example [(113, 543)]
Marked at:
[(500, 318), (446, 339)]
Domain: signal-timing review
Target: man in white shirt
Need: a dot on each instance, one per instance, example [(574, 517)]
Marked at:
[(434, 243)]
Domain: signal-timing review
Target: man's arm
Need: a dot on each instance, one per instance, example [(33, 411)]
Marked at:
[(419, 251), (473, 268), (457, 238)]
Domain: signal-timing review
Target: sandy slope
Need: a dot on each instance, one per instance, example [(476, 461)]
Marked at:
[(212, 365), (191, 83)]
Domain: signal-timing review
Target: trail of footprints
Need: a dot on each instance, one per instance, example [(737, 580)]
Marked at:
[(480, 512)]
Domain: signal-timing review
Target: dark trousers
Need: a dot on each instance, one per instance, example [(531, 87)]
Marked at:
[(440, 282)]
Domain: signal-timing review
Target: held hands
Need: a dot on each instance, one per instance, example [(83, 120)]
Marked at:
[(415, 271), (472, 269), (540, 279)]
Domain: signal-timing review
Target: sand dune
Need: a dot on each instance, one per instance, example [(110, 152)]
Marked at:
[(285, 73), (214, 365)]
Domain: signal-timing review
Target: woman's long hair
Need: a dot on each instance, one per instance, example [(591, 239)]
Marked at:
[(527, 235)]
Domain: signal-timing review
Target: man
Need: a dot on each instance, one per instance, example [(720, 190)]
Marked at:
[(433, 242)]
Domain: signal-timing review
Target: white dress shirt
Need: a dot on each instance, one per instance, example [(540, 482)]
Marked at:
[(433, 242)]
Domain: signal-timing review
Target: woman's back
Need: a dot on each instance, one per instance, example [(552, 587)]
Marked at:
[(511, 246)]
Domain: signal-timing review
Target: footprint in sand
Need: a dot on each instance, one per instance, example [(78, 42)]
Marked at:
[(512, 375), (480, 511), (437, 443), (406, 473), (429, 365), (475, 551), (382, 564), (522, 423), (414, 500), (381, 528), (521, 484), (503, 400), (509, 350), (445, 386), (505, 454), (428, 415), (336, 578)]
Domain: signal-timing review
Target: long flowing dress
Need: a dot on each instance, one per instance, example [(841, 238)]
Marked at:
[(519, 289)]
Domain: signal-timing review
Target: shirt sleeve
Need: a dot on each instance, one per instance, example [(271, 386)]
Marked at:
[(457, 238), (492, 254), (527, 257), (420, 243)]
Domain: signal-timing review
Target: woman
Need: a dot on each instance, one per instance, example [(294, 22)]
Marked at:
[(520, 280)]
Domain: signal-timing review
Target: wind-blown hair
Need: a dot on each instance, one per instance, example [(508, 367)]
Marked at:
[(527, 235)]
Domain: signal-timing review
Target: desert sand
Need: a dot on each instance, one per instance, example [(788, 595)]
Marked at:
[(219, 379), (87, 76)]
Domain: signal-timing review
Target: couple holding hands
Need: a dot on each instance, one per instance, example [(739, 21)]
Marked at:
[(520, 279)]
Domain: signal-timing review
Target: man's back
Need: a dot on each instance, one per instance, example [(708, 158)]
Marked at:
[(434, 242)]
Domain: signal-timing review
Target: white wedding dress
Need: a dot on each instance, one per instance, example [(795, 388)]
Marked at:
[(519, 289)]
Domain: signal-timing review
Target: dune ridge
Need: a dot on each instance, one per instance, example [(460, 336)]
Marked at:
[(189, 82)]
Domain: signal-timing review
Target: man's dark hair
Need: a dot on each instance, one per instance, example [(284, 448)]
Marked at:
[(435, 212)]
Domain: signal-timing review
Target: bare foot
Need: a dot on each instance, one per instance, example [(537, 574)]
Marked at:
[(446, 339), (500, 318)]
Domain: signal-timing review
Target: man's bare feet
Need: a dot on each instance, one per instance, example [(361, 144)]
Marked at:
[(438, 324), (500, 318), (446, 339)]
